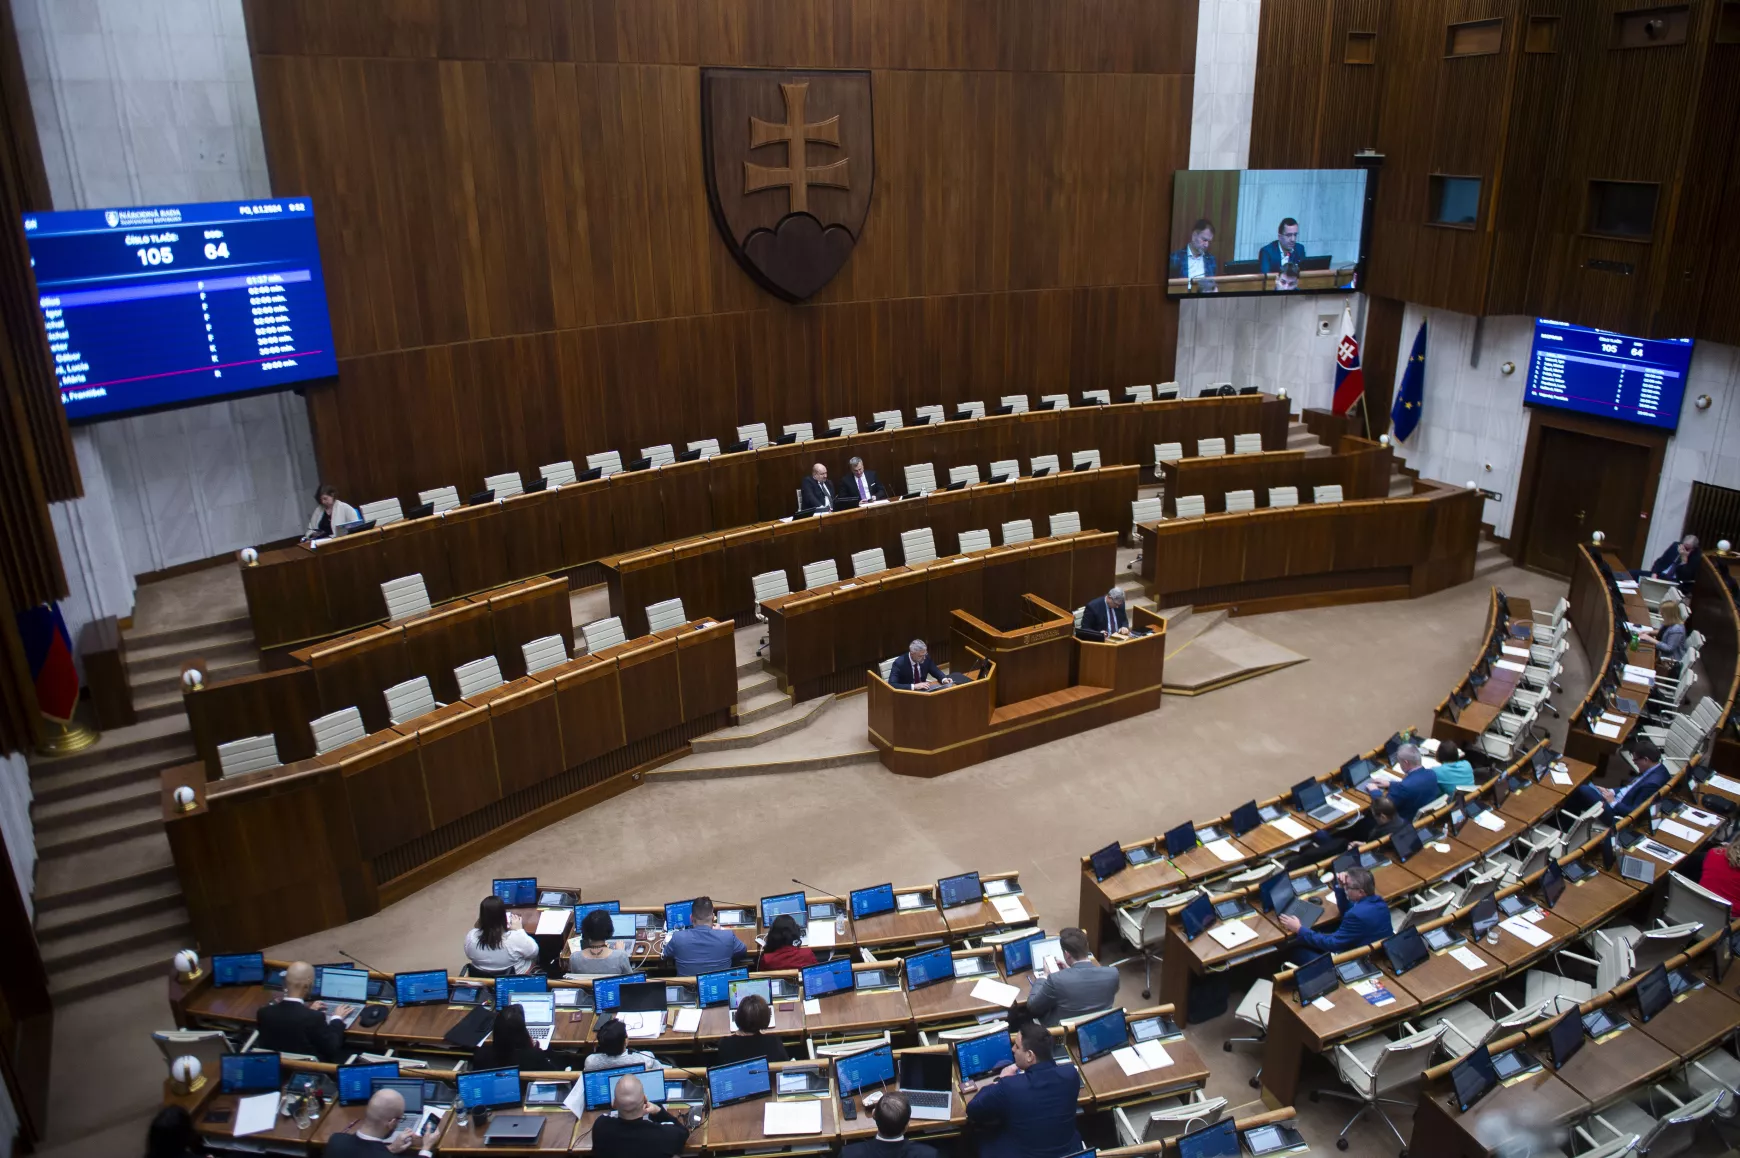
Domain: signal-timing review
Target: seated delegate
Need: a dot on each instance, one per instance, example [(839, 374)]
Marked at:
[(497, 946), (861, 482), (1679, 563), (378, 1132), (1105, 617), (1417, 788), (294, 1024), (703, 947), (1029, 1110), (612, 1049), (1365, 918), (782, 949), (1669, 639), (1650, 780), (1082, 986), (510, 1044), (917, 672), (816, 493), (330, 513), (1285, 250), (753, 1016), (892, 1114), (637, 1129), (597, 957), (1453, 771)]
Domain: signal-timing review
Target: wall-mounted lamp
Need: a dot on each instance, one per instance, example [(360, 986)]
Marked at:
[(1507, 368), (1703, 402)]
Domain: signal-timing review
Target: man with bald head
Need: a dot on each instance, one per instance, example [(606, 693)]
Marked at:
[(378, 1132), (816, 493), (294, 1024), (636, 1129)]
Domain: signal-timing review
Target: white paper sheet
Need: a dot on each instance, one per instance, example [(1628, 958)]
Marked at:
[(805, 1117), (688, 1021), (1612, 718), (1428, 747), (649, 1024), (1699, 817), (1224, 850), (1323, 1003), (1467, 958), (905, 901), (812, 1005), (255, 1114), (1511, 665), (1490, 820), (1154, 1054), (1675, 828), (1129, 1061), (1009, 908), (1342, 803), (996, 992), (575, 1102), (819, 935), (1606, 731), (1560, 777), (1232, 934), (553, 922), (1525, 931), (1291, 828), (1520, 652), (1723, 783)]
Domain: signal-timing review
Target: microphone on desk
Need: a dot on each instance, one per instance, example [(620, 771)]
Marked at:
[(353, 957), (824, 892)]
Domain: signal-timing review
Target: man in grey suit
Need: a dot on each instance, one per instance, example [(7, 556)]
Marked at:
[(1081, 986)]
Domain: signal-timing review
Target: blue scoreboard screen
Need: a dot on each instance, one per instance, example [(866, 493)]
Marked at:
[(1608, 375), (171, 305)]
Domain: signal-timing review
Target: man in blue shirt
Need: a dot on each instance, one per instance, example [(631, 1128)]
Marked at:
[(1418, 787), (703, 947), (1364, 916), (1624, 801), (1029, 1111)]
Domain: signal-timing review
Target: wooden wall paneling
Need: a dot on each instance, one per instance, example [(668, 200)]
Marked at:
[(1720, 319), (637, 582), (648, 673), (1347, 116), (1625, 541), (357, 670), (286, 595), (416, 547), (476, 547), (905, 611), (385, 793), (1005, 579), (527, 733), (636, 510), (683, 495), (1268, 539), (749, 552), (961, 587), (1293, 46), (533, 534), (859, 615), (350, 569), (698, 572), (583, 514), (707, 667), (525, 612), (440, 641), (732, 492), (1380, 353), (1049, 572), (458, 755), (1312, 549), (589, 704)]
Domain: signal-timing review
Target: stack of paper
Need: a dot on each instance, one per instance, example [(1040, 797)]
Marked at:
[(1525, 931), (1224, 850), (805, 1117), (255, 1114), (819, 935), (688, 1021), (1232, 934), (643, 1024), (1606, 731), (996, 992), (1490, 820), (1511, 665), (552, 922), (812, 1005), (1559, 775), (1519, 652), (1009, 908), (1699, 817), (1675, 828), (1722, 783), (1292, 829)]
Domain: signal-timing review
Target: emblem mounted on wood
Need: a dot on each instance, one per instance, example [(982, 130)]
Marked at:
[(790, 163)]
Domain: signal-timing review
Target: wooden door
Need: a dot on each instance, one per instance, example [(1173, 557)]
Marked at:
[(1583, 483)]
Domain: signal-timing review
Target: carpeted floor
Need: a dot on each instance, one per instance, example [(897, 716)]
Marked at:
[(1370, 669)]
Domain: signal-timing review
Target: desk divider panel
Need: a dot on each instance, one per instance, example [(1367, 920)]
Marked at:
[(532, 530), (350, 567), (637, 512), (589, 709), (356, 671), (458, 756), (387, 800), (443, 639), (583, 520), (682, 488), (732, 492), (651, 690), (903, 613), (527, 731), (524, 612), (1005, 578), (1049, 563), (286, 595), (858, 608), (949, 587), (707, 668), (476, 548), (637, 582), (744, 555), (1093, 566), (417, 547)]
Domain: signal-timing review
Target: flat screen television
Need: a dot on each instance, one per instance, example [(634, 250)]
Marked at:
[(172, 305), (1609, 375), (1264, 231)]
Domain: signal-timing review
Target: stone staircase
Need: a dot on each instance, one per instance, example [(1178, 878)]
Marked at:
[(154, 661)]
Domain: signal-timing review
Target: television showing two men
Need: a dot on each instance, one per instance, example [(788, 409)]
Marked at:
[(1266, 231)]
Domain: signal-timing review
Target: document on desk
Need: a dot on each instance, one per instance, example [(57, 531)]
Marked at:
[(1560, 776), (1232, 934), (1291, 828), (1154, 1054), (803, 1117), (1511, 665), (1490, 820), (688, 1021), (1224, 850), (1613, 717), (1129, 1061), (649, 1024), (1723, 784), (1342, 803), (1699, 817), (1519, 652), (553, 922), (1675, 828), (812, 1005), (255, 1114), (905, 901), (1525, 931), (996, 992), (819, 935), (1009, 908), (1606, 731), (1467, 958)]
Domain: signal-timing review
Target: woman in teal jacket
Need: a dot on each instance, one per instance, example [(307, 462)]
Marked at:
[(1453, 771)]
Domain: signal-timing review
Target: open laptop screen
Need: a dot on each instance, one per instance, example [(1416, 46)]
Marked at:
[(1565, 1038), (738, 1081), (761, 987), (1277, 893), (829, 977), (1654, 994), (581, 910), (1474, 1077), (607, 991), (1107, 861), (600, 1090), (872, 1067), (715, 988), (506, 987), (679, 914), (928, 968), (1101, 1034), (1405, 950), (1181, 840), (1196, 916), (1315, 978), (241, 1073), (344, 984), (871, 901), (491, 1088), (1018, 955), (784, 905), (1220, 1140), (965, 889), (428, 987), (978, 1056), (354, 1086), (238, 969)]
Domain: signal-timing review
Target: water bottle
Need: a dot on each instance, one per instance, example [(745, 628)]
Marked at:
[(461, 1114)]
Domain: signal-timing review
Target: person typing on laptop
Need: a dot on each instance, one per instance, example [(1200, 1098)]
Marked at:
[(293, 1024), (378, 1131), (1029, 1111), (1365, 918), (1418, 786), (1083, 985), (636, 1129), (703, 947), (753, 1016), (596, 955), (916, 671), (1621, 803), (892, 1114), (613, 1049), (511, 1044)]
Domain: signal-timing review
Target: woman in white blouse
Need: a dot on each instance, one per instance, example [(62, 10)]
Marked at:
[(330, 513), (498, 946)]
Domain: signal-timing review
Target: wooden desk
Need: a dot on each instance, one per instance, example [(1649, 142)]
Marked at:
[(902, 926), (1296, 1029), (1361, 468), (557, 1136), (1695, 1022), (1100, 899), (738, 1127), (1105, 1084), (1443, 1131), (1184, 960), (1441, 979), (1603, 1070), (284, 1132), (860, 1010), (1592, 900), (952, 1002)]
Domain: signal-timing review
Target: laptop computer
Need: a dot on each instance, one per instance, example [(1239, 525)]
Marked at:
[(1101, 1035), (983, 1056), (1565, 1038), (738, 1082), (540, 1011), (1635, 868), (1313, 801), (348, 988), (410, 1089), (926, 1081), (514, 1129), (1281, 897), (356, 1082)]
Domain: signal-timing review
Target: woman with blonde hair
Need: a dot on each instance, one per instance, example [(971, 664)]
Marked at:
[(1721, 873), (1669, 638)]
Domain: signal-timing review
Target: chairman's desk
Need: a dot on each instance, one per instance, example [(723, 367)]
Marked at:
[(297, 594), (820, 640), (1257, 282), (1360, 467), (1315, 554), (1043, 684), (267, 856), (716, 571)]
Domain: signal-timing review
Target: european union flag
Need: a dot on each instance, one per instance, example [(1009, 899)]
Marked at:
[(1411, 398)]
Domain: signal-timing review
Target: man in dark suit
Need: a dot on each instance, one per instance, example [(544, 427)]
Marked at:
[(1418, 787), (816, 493), (914, 671), (1081, 987), (1105, 617), (1679, 563), (377, 1132), (1029, 1111), (1195, 260), (293, 1024), (637, 1130), (1284, 250), (892, 1114), (861, 482), (1621, 803)]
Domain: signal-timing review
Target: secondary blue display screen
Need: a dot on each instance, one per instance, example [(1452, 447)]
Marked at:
[(424, 988), (733, 1083), (979, 1056), (868, 902), (786, 904), (679, 914), (238, 969), (170, 305), (580, 911), (506, 987), (241, 1073), (1608, 375), (870, 1068), (716, 987), (1018, 955), (1101, 1035), (600, 1089), (516, 890), (354, 1082), (831, 977), (925, 968), (607, 991), (491, 1087)]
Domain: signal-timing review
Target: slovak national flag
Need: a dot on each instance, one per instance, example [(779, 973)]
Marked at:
[(48, 648), (1349, 378)]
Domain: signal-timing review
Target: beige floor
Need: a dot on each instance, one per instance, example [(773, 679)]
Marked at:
[(1370, 669)]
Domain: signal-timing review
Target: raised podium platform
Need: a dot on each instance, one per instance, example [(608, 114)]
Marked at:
[(1043, 684)]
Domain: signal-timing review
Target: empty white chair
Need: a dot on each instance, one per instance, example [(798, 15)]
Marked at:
[(559, 474), (707, 446), (1167, 452), (1166, 392), (1097, 397), (1017, 403), (967, 474), (918, 545), (821, 573), (1085, 458), (1190, 507), (928, 415), (1139, 393), (480, 675), (336, 729), (971, 409), (665, 614), (804, 431), (890, 419), (1017, 531), (251, 754), (1247, 444), (768, 585), (1326, 494), (1241, 500), (920, 478), (1283, 496), (1066, 523), (846, 426), (505, 486), (979, 540), (1005, 468), (1373, 1066), (406, 596), (1046, 462), (606, 464), (661, 455), (382, 511), (1054, 402), (1146, 511), (409, 700), (543, 653), (755, 434), (868, 562), (603, 633), (1210, 447), (442, 499)]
